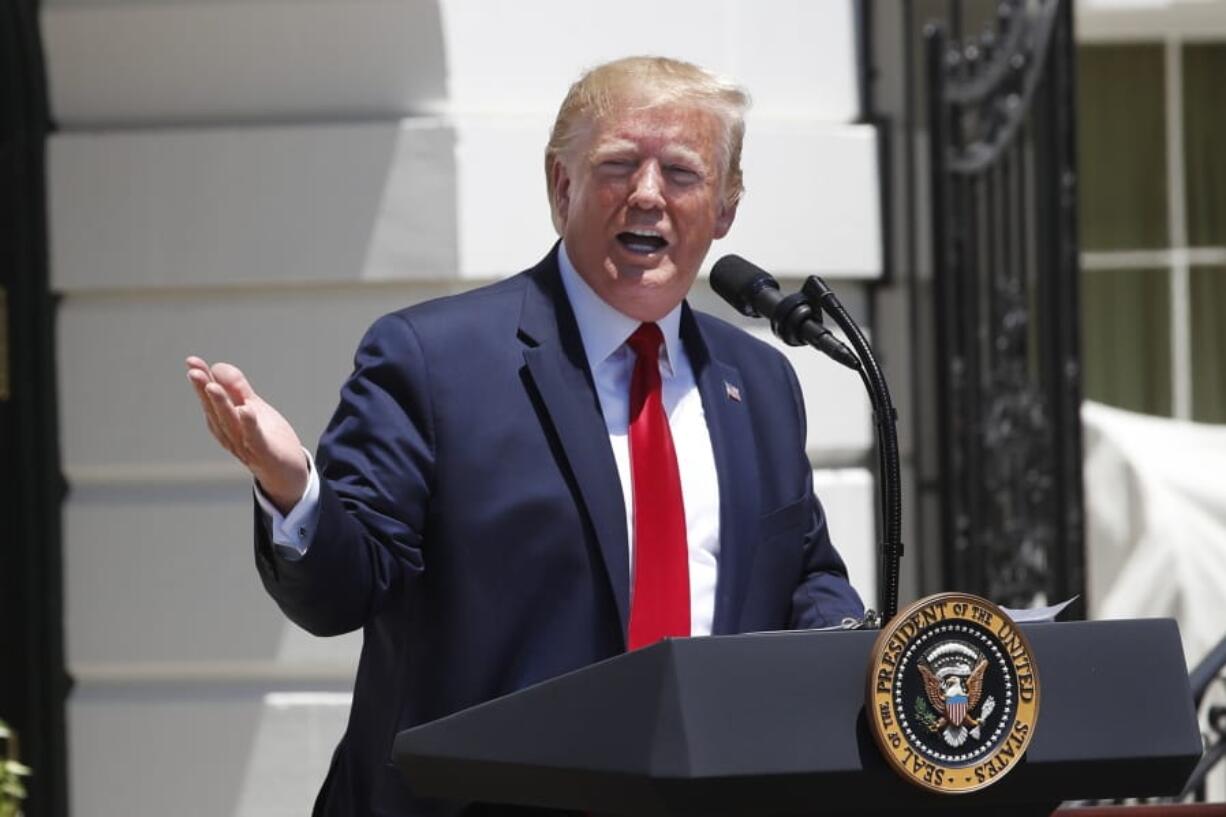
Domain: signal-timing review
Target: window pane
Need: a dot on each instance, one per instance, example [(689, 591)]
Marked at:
[(1208, 291), (1122, 147), (1126, 338), (1204, 135)]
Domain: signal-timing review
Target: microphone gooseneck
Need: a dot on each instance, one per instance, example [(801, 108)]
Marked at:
[(796, 320), (817, 292)]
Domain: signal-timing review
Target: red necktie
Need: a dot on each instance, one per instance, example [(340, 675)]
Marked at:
[(660, 600)]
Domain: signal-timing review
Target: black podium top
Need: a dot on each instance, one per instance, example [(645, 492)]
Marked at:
[(773, 723)]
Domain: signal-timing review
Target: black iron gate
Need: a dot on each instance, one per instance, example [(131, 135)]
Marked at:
[(1005, 270)]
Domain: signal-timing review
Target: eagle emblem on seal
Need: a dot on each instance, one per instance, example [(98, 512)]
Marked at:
[(953, 684)]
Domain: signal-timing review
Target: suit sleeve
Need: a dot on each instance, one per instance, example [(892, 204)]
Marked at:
[(376, 462), (824, 596)]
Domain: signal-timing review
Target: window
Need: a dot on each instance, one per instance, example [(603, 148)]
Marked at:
[(1151, 123)]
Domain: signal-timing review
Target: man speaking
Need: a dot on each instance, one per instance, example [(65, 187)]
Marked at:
[(545, 472)]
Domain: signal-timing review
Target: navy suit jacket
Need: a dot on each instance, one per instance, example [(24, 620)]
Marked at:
[(472, 520)]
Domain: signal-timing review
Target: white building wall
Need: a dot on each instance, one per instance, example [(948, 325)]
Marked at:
[(256, 181)]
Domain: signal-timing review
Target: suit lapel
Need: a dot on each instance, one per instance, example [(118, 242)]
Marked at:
[(724, 402), (558, 368)]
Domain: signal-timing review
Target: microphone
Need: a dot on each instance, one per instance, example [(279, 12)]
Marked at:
[(752, 291), (797, 320)]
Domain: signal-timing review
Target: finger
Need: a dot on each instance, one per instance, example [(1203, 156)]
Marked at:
[(232, 379), (210, 420), (227, 420), (200, 380), (253, 435), (200, 376), (198, 364), (220, 436), (195, 363)]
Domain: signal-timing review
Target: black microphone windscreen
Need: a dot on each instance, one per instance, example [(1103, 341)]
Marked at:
[(737, 281)]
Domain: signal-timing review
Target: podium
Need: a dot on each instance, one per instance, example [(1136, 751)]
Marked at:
[(773, 724)]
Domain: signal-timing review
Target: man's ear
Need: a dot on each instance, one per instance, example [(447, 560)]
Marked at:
[(724, 219), (559, 189)]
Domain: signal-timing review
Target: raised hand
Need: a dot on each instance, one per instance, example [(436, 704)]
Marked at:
[(252, 430)]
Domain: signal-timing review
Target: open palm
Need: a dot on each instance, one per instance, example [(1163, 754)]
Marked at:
[(253, 431)]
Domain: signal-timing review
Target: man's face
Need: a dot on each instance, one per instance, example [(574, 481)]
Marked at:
[(641, 199)]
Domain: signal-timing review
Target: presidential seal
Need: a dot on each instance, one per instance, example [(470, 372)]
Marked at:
[(953, 693)]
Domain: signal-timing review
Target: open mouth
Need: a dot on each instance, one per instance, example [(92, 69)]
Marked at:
[(642, 242)]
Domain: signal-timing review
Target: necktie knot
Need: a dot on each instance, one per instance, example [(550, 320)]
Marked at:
[(646, 341)]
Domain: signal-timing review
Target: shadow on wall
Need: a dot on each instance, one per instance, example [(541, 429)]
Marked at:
[(223, 174)]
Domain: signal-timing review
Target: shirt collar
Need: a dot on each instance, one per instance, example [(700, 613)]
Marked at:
[(604, 329)]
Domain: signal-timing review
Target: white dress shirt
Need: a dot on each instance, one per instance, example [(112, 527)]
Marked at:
[(604, 332)]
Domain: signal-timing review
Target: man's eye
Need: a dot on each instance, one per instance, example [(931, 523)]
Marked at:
[(683, 174), (617, 165)]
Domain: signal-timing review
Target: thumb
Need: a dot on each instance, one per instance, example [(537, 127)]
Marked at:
[(232, 379)]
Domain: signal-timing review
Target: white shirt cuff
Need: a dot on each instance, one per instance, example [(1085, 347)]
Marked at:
[(293, 532)]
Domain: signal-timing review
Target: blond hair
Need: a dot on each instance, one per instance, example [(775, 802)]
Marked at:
[(649, 82)]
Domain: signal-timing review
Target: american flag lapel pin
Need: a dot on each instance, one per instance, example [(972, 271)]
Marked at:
[(732, 391)]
